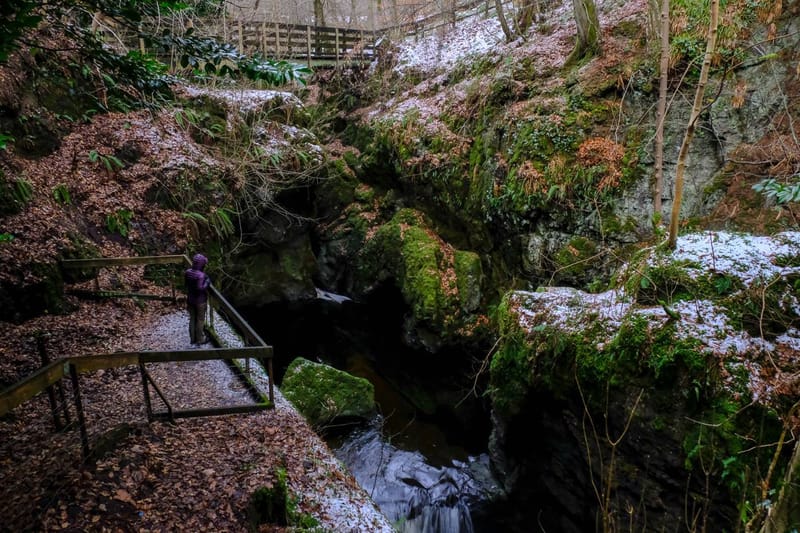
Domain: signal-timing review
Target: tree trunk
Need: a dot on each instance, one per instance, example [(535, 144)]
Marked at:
[(498, 5), (697, 107), (319, 13), (527, 13), (587, 42), (661, 113), (786, 510)]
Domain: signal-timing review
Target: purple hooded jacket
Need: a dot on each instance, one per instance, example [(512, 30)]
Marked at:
[(197, 281)]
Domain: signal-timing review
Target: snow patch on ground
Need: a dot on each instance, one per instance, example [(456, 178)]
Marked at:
[(246, 100), (446, 49)]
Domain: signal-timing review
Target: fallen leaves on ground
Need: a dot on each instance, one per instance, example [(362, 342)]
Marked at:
[(196, 474)]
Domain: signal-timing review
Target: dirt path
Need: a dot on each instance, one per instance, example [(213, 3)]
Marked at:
[(197, 474)]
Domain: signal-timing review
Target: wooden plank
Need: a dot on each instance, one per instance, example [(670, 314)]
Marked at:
[(83, 293), (213, 411), (100, 262), (27, 388), (90, 363), (37, 382), (207, 355), (237, 319)]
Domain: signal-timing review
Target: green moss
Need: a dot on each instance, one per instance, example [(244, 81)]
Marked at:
[(275, 506), (322, 393), (614, 225), (511, 369), (641, 351), (664, 282), (764, 308), (574, 257), (469, 274), (421, 283)]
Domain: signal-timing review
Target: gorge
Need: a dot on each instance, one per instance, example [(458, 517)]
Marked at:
[(470, 224)]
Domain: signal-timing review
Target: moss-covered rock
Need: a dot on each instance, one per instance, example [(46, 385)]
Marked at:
[(441, 285), (323, 394), (282, 271), (673, 355)]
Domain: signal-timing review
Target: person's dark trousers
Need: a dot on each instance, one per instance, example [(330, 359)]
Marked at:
[(197, 322)]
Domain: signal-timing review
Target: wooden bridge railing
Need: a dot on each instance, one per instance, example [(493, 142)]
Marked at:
[(312, 44), (51, 373)]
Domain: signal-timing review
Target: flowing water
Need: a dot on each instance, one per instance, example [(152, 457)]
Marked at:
[(412, 493), (425, 467)]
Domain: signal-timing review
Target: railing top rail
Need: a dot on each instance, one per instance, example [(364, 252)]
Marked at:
[(50, 374), (96, 262), (235, 317)]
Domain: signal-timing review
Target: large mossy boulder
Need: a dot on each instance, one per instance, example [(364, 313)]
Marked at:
[(684, 376), (441, 285), (324, 394)]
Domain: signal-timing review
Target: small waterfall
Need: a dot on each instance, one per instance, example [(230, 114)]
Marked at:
[(415, 496)]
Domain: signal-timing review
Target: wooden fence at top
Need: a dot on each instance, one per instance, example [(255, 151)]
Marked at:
[(329, 46), (317, 45)]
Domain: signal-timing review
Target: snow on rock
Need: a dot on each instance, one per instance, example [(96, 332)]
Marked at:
[(749, 258), (246, 100)]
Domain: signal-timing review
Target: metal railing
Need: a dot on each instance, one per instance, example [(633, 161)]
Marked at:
[(48, 377)]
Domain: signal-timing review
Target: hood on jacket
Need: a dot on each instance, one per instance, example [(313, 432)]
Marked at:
[(199, 262)]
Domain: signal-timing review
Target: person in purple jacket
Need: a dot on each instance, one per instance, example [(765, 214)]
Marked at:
[(197, 283)]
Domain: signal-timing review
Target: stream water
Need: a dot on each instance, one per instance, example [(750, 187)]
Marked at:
[(422, 460)]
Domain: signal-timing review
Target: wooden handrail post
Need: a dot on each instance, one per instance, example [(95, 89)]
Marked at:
[(51, 393), (146, 377), (76, 393), (308, 45), (263, 39), (336, 41), (148, 405), (277, 41), (141, 40), (270, 374)]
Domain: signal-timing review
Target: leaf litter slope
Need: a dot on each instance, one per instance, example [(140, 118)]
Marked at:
[(197, 474)]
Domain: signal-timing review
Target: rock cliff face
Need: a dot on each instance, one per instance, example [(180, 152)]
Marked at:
[(665, 394)]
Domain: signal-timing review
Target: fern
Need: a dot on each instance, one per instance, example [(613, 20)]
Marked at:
[(23, 191), (4, 140), (220, 221), (119, 222), (61, 194), (110, 162), (782, 192)]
